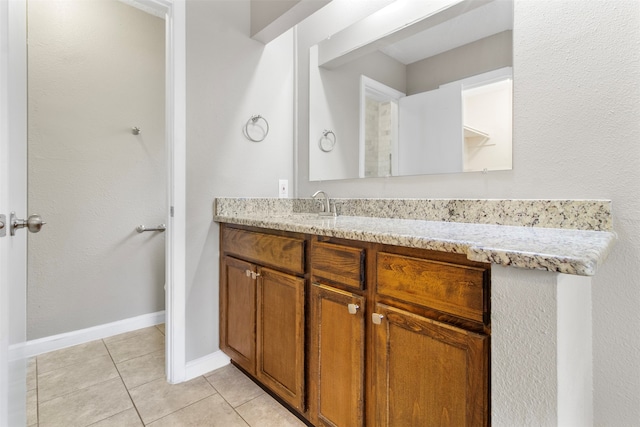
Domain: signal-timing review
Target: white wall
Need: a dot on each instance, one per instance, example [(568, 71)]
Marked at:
[(95, 70), (430, 134), (484, 109), (576, 130), (230, 77)]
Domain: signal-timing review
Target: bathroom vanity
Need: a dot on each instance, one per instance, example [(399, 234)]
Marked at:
[(383, 321)]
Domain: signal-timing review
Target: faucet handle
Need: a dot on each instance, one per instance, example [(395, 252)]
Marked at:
[(321, 202), (326, 204)]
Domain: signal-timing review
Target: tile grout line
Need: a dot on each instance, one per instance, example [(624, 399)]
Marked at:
[(72, 391), (75, 391), (133, 403), (235, 407), (191, 404)]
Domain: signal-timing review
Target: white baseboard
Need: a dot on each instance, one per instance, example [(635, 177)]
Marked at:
[(206, 364), (68, 339)]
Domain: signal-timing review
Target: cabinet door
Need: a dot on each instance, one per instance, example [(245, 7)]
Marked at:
[(428, 373), (337, 357), (238, 312), (280, 345)]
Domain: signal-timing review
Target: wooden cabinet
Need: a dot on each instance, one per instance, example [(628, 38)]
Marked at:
[(428, 373), (238, 309), (336, 357), (280, 335), (337, 329), (392, 336), (452, 288), (262, 309), (430, 341)]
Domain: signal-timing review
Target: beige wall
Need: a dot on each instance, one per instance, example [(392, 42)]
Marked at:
[(490, 53), (264, 12), (95, 70), (576, 129)]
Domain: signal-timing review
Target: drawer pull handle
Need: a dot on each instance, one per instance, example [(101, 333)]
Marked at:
[(377, 318), (353, 308)]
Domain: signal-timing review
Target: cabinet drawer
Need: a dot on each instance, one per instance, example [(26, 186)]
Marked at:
[(338, 264), (450, 288), (274, 251)]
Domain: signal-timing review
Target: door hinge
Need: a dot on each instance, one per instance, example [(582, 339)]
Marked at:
[(171, 211)]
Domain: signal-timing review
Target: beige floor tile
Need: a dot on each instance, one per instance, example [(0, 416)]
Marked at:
[(32, 372), (265, 411), (75, 377), (213, 411), (86, 406), (161, 328), (143, 369), (128, 335), (233, 385), (128, 418), (32, 407), (158, 398), (150, 340), (69, 356)]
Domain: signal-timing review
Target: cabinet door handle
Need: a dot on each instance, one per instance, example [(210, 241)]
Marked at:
[(376, 318), (353, 308), (252, 274)]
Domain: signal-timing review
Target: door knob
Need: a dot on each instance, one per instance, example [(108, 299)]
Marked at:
[(34, 223)]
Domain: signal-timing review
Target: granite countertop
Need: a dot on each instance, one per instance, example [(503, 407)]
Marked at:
[(570, 251)]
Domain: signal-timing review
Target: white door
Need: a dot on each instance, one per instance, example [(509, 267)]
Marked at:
[(13, 197)]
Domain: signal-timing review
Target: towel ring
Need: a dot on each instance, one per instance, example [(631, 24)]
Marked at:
[(253, 121), (327, 143)]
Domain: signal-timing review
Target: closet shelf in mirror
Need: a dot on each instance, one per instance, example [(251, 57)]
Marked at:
[(475, 136)]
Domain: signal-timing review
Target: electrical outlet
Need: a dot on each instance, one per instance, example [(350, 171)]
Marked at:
[(283, 188)]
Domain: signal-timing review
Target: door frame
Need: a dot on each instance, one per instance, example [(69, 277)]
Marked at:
[(13, 197), (176, 129), (177, 171)]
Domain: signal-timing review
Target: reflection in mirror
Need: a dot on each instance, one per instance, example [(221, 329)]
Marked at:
[(434, 96), (379, 120)]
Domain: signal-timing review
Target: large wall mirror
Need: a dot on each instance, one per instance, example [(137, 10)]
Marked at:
[(416, 88)]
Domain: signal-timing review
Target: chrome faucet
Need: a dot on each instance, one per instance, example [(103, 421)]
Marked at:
[(325, 203)]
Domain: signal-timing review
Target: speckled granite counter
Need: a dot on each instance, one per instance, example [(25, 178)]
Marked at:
[(533, 245)]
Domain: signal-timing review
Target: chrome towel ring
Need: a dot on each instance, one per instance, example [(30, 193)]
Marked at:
[(255, 124), (326, 142)]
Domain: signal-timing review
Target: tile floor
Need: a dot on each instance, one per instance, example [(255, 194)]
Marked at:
[(119, 381)]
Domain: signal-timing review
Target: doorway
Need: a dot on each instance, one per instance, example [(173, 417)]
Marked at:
[(13, 145), (173, 163), (98, 138), (96, 164)]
